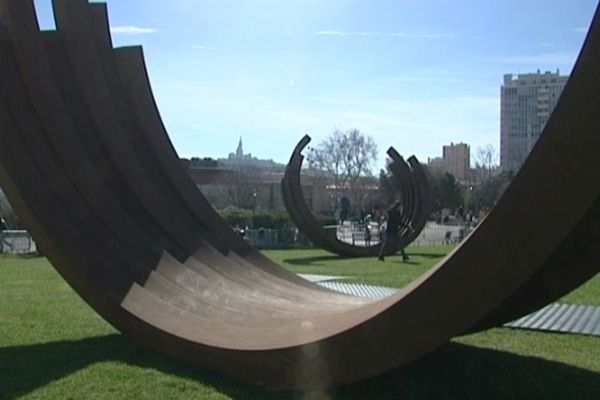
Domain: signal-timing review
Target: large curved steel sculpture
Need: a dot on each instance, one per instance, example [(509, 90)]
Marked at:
[(86, 163), (415, 195)]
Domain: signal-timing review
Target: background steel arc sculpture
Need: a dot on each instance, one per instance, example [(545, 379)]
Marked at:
[(415, 194), (87, 164)]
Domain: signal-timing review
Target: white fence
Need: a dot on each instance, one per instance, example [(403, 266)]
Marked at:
[(21, 242), (16, 242), (432, 234)]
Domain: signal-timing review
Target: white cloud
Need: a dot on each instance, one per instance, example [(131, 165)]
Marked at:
[(131, 30), (331, 33), (406, 35)]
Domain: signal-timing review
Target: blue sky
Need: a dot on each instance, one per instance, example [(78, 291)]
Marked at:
[(413, 74)]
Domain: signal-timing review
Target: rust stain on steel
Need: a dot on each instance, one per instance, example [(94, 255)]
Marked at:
[(415, 194), (89, 168)]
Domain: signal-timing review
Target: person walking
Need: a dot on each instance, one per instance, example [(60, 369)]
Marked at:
[(3, 227), (392, 229)]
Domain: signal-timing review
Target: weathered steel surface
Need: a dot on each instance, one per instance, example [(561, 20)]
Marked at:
[(415, 195), (88, 166)]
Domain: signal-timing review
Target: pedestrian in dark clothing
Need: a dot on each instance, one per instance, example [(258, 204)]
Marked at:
[(3, 227), (393, 225), (367, 235), (344, 209)]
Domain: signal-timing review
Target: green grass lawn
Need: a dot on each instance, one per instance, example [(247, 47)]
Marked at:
[(392, 272), (52, 345)]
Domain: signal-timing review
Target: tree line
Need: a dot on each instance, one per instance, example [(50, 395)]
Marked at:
[(347, 156)]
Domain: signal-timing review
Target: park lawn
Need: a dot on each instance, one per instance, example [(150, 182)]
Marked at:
[(52, 345), (392, 272)]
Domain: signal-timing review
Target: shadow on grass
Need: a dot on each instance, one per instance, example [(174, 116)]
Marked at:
[(24, 369), (400, 262), (455, 371), (316, 260), (427, 255), (25, 256)]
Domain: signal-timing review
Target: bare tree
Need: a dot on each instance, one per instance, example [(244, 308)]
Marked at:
[(490, 182), (486, 162), (240, 186), (346, 155), (244, 188)]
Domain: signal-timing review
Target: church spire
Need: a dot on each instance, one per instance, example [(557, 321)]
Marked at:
[(240, 151)]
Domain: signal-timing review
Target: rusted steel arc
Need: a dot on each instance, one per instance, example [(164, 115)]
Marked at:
[(132, 70), (291, 193), (423, 195), (114, 129), (575, 260), (43, 152), (299, 212), (243, 270), (133, 76), (99, 35), (301, 215), (402, 175), (415, 192), (381, 335), (77, 152), (132, 73), (573, 264), (244, 264), (69, 151), (414, 198), (50, 220), (54, 174), (306, 222)]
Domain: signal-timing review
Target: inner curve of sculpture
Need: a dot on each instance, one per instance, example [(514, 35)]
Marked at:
[(415, 195), (89, 168)]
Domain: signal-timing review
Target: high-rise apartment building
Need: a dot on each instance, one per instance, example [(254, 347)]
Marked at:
[(527, 100)]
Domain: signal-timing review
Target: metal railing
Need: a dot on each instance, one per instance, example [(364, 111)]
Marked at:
[(435, 234), (16, 242), (355, 234), (21, 242), (277, 238), (432, 234)]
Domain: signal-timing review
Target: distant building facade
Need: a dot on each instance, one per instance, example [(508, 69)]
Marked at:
[(527, 100), (239, 180), (245, 181), (436, 163), (455, 160), (239, 158)]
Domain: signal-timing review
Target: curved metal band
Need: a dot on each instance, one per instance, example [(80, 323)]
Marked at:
[(413, 186), (130, 233)]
